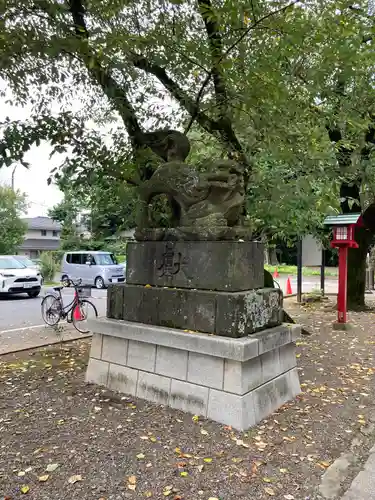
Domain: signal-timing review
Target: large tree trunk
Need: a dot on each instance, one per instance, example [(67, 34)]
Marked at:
[(357, 269)]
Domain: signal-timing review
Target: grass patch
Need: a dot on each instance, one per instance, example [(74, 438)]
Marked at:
[(306, 271)]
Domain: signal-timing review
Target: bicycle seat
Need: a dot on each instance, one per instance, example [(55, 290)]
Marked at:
[(58, 288)]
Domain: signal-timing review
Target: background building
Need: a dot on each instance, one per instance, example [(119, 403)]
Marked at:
[(42, 234)]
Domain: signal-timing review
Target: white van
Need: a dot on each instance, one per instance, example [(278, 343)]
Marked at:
[(97, 269)]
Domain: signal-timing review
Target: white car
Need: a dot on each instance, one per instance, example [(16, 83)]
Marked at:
[(30, 264), (16, 278)]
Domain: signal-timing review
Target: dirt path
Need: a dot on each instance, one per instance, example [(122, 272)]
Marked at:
[(100, 445)]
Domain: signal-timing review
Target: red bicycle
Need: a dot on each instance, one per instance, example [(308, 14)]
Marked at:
[(77, 312)]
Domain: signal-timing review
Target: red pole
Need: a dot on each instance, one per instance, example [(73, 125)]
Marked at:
[(341, 297)]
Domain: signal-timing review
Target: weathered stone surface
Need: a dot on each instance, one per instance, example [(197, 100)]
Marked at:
[(122, 379), (206, 370), (96, 346), (273, 394), (239, 314), (153, 387), (242, 377), (115, 350), (189, 397), (228, 380), (171, 362), (97, 372), (240, 349), (141, 355), (205, 265), (198, 199), (201, 233), (179, 308), (115, 300), (231, 409), (274, 337), (228, 314)]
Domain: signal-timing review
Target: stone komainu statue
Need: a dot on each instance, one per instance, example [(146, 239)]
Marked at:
[(168, 144), (197, 198)]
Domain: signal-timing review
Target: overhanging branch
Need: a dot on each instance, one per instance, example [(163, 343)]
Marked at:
[(115, 93), (216, 48), (230, 48)]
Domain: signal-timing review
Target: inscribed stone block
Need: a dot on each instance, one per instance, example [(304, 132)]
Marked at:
[(226, 265)]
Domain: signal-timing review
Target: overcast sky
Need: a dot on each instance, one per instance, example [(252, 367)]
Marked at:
[(32, 181)]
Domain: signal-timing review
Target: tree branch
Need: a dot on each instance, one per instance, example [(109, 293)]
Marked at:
[(230, 48), (176, 91), (216, 48), (115, 93)]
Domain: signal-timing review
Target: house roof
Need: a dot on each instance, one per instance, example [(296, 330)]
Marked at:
[(40, 244), (42, 223), (342, 219)]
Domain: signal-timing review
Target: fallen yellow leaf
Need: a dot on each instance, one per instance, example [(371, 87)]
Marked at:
[(184, 474), (132, 480), (270, 492), (148, 494), (195, 418), (140, 456), (25, 489), (207, 460), (74, 479), (324, 463), (51, 467), (44, 478)]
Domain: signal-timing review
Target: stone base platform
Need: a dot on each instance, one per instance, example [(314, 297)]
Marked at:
[(235, 382)]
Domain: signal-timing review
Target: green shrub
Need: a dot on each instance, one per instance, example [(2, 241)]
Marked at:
[(48, 266)]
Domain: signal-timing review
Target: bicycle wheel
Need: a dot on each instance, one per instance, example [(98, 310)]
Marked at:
[(51, 310), (82, 312)]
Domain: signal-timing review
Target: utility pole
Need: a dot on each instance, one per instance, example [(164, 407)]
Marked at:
[(13, 172)]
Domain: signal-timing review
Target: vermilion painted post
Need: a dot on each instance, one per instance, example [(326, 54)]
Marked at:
[(341, 297)]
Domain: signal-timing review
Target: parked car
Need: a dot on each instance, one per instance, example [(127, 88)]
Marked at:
[(97, 269), (29, 263), (16, 278)]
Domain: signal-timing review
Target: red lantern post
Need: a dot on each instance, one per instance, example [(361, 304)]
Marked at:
[(343, 239)]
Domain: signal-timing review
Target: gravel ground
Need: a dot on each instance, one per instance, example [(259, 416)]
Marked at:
[(61, 438)]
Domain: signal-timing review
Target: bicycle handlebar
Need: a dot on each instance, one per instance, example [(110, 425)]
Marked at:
[(71, 282)]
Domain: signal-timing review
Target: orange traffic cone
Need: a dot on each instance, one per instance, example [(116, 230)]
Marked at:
[(77, 312), (275, 274), (288, 287)]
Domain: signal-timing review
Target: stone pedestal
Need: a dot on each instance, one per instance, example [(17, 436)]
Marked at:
[(206, 286), (195, 329), (236, 382)]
